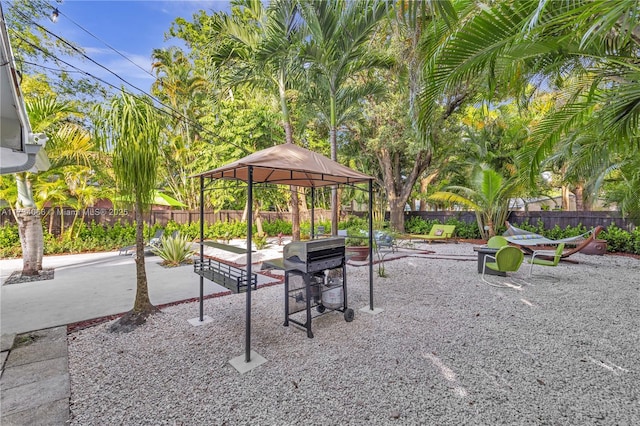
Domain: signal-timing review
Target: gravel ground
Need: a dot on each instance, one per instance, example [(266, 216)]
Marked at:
[(446, 350)]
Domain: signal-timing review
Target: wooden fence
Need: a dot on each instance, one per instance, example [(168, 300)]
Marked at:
[(52, 218), (549, 218)]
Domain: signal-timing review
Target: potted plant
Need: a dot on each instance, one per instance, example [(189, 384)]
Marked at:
[(357, 243)]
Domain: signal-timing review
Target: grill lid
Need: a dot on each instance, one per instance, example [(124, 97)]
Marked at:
[(307, 251)]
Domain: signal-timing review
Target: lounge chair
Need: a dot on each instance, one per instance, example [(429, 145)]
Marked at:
[(155, 241), (527, 240), (438, 233)]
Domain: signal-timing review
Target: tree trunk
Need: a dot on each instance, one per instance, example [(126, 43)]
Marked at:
[(142, 306), (257, 219), (424, 186), (396, 213), (335, 206), (398, 190), (288, 134), (142, 303), (582, 204), (29, 227), (31, 240), (566, 200), (295, 214)]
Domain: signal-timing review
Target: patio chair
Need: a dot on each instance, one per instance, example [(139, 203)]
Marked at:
[(497, 242), (507, 259), (156, 240), (556, 256), (384, 239)]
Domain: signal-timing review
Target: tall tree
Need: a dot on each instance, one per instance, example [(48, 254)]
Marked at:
[(45, 116), (260, 46), (182, 89), (338, 51), (587, 51), (130, 131), (488, 194)]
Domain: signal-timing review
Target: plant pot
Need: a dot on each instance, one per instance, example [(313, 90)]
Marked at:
[(358, 253)]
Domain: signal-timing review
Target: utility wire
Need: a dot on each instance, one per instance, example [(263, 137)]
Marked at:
[(106, 44), (58, 70), (176, 113), (80, 52)]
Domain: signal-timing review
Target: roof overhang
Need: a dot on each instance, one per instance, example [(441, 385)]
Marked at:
[(20, 149)]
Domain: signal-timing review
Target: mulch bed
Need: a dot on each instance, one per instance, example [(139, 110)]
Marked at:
[(16, 277)]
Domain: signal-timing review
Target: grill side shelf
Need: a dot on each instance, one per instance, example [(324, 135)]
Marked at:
[(228, 276)]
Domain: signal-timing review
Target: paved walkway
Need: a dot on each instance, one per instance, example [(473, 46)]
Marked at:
[(35, 385), (34, 382)]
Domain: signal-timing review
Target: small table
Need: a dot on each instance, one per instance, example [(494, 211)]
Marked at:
[(482, 252)]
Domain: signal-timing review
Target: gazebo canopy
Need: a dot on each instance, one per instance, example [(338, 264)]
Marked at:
[(285, 164), (288, 164)]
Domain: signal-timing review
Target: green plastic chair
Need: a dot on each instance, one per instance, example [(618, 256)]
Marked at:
[(497, 242), (506, 259), (557, 255)]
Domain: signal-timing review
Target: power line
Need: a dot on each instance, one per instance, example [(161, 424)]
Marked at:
[(80, 52), (105, 43), (176, 113)]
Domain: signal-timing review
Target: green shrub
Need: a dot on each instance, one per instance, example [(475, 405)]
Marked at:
[(174, 250), (618, 239), (278, 226), (417, 225), (635, 236), (465, 230), (10, 241), (260, 240)]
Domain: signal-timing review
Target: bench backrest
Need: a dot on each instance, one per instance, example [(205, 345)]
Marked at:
[(444, 231)]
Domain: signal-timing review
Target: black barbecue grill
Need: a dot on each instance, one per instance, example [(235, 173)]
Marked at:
[(314, 255), (314, 271)]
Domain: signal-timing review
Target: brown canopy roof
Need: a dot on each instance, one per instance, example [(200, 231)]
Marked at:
[(288, 164)]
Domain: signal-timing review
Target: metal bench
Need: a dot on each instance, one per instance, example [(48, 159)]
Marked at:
[(228, 276)]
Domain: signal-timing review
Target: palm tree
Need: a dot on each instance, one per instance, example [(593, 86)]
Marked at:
[(488, 194), (130, 131), (587, 51), (338, 50), (44, 115), (182, 88), (260, 48)]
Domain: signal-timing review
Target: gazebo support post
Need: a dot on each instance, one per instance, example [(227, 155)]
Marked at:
[(313, 204), (247, 352), (250, 360), (370, 309), (370, 244), (201, 246), (201, 319)]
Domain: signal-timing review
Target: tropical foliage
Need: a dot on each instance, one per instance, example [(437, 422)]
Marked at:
[(174, 250), (442, 102), (488, 195)]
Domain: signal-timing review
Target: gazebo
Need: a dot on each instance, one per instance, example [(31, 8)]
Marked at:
[(285, 164)]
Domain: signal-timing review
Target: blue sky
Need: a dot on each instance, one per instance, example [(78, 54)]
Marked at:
[(133, 28)]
